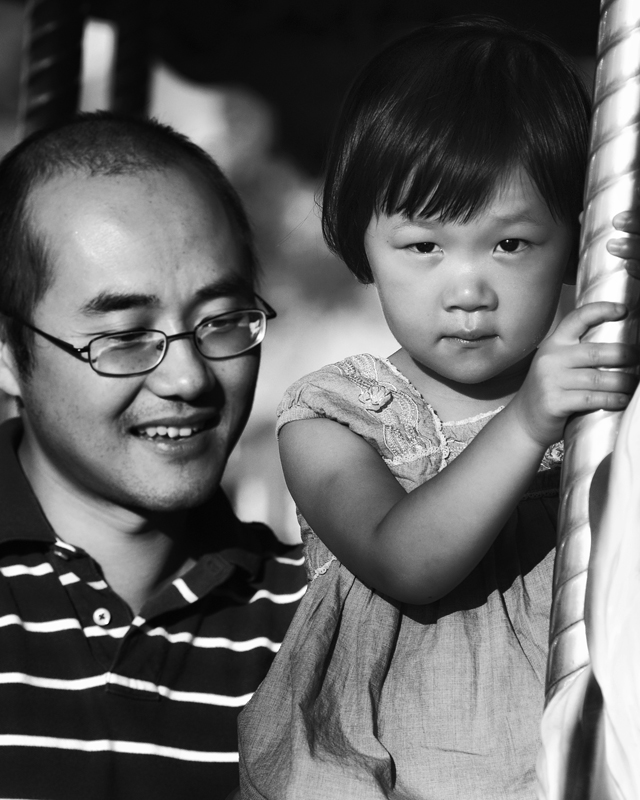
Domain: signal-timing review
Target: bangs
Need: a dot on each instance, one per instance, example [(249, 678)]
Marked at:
[(461, 141), (450, 176)]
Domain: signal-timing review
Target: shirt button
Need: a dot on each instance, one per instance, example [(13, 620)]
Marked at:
[(102, 617)]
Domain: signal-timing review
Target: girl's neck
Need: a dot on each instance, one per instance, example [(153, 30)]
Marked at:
[(454, 401)]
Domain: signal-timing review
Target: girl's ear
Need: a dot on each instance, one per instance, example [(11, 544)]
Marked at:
[(9, 380), (571, 270)]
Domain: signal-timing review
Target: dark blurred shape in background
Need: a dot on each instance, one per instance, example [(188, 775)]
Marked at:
[(300, 56), (258, 84)]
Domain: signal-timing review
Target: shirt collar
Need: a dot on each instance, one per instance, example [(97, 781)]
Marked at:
[(23, 519), (217, 532)]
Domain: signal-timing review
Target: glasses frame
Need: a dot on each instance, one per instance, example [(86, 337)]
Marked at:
[(82, 353)]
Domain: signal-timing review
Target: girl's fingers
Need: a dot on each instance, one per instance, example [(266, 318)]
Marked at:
[(578, 322), (579, 401), (632, 267), (627, 221), (628, 249), (602, 381), (603, 355)]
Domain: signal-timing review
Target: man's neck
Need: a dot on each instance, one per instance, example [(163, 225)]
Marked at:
[(137, 554)]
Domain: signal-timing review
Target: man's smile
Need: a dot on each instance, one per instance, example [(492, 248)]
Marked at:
[(176, 429)]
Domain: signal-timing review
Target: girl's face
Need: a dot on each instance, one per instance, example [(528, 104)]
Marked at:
[(470, 302)]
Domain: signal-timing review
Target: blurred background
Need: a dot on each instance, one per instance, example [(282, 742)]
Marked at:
[(258, 84)]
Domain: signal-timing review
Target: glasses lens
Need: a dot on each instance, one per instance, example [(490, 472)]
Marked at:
[(127, 353), (230, 334)]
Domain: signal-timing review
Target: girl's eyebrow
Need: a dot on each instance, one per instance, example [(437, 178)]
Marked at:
[(409, 222), (517, 217), (522, 216)]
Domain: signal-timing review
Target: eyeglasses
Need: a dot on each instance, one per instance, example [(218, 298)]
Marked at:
[(140, 351)]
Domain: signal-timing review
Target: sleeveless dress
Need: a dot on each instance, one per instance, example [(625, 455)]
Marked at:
[(370, 698)]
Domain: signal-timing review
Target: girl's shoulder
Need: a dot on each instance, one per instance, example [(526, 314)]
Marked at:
[(358, 385), (371, 397), (360, 375), (376, 401)]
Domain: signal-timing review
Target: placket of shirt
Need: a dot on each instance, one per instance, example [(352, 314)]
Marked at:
[(135, 650), (104, 617)]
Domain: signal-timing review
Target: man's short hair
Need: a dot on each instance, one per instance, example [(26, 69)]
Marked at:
[(96, 144)]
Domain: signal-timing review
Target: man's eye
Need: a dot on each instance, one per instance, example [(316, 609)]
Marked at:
[(511, 245), (124, 341), (126, 338), (425, 247), (221, 324)]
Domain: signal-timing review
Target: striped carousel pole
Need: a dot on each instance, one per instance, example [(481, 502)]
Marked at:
[(612, 186), (52, 63), (53, 60)]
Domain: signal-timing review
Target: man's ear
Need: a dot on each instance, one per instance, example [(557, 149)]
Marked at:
[(9, 375)]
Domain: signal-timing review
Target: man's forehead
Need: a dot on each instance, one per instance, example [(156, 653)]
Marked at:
[(85, 222), (68, 182)]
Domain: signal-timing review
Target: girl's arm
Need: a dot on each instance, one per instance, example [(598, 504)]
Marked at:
[(417, 547)]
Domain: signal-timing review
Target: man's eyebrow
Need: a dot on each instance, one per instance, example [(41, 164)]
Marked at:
[(105, 302), (233, 287)]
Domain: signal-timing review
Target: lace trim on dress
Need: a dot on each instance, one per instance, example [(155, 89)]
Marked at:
[(411, 431), (396, 409), (377, 396), (553, 457), (471, 420), (323, 568), (415, 391), (454, 435)]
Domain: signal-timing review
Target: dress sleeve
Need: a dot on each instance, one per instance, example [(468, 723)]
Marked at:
[(301, 401), (363, 394), (326, 394)]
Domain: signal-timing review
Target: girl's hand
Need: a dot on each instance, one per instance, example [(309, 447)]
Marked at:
[(629, 246), (566, 375)]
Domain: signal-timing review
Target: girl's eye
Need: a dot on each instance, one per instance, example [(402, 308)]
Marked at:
[(511, 245), (425, 247)]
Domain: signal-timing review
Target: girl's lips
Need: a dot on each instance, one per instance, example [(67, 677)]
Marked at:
[(470, 337)]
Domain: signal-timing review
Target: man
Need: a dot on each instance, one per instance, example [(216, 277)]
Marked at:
[(137, 614)]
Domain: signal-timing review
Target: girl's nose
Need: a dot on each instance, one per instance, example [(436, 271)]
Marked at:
[(183, 373), (468, 290)]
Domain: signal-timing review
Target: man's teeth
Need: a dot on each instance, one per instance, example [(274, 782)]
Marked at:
[(153, 431)]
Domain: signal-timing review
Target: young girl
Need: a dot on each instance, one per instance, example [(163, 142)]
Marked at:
[(428, 482)]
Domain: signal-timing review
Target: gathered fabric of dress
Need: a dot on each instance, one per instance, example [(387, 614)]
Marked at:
[(371, 698)]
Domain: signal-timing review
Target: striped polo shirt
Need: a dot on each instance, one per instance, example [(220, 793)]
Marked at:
[(99, 704)]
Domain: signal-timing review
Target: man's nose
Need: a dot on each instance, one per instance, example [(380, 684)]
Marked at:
[(183, 372), (469, 289)]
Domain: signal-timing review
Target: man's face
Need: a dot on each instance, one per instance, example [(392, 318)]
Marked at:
[(151, 251)]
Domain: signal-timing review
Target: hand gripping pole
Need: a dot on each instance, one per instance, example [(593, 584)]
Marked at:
[(572, 716)]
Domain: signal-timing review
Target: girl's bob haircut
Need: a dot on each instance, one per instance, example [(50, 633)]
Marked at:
[(441, 118)]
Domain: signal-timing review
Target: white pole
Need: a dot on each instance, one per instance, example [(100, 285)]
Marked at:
[(571, 720)]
